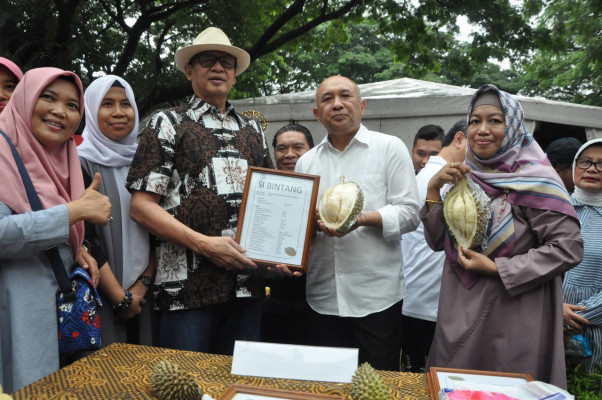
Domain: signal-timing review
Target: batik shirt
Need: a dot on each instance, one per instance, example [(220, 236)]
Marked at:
[(197, 160)]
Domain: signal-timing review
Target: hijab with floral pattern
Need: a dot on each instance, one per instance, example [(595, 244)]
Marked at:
[(519, 173)]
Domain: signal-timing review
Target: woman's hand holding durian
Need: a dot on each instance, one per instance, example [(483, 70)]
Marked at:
[(450, 173), (476, 262)]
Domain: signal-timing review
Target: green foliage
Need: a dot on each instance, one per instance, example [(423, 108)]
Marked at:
[(567, 61), (356, 50), (582, 385), (294, 44), (458, 69)]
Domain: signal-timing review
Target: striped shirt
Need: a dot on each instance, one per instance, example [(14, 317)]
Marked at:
[(583, 284)]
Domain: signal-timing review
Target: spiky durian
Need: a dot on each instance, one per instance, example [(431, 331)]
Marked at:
[(466, 211), (340, 205), (169, 382), (366, 384)]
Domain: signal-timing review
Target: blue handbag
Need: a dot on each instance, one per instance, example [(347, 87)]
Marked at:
[(77, 300), (79, 315)]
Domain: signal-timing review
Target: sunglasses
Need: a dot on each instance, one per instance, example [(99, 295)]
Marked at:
[(585, 163), (208, 60)]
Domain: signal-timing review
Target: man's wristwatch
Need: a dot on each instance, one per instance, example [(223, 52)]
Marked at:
[(146, 280)]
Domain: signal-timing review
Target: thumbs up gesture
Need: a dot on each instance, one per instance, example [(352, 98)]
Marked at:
[(91, 206)]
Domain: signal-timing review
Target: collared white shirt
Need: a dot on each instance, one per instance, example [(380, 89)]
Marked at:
[(361, 273), (422, 266)]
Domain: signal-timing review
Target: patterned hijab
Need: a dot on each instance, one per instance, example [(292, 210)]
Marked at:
[(95, 145), (519, 173), (582, 195), (55, 173)]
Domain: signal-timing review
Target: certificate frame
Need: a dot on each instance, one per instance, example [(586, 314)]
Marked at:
[(300, 191), (436, 374), (237, 391)]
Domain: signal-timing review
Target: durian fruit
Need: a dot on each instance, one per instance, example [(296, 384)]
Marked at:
[(466, 211), (169, 382), (340, 205), (366, 384)]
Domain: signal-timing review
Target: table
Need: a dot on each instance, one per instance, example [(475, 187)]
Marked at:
[(122, 371)]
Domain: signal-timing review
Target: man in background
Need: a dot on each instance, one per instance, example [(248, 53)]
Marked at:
[(427, 142), (291, 142), (422, 266), (285, 310), (561, 153)]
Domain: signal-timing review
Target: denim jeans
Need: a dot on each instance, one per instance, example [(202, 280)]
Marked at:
[(211, 329)]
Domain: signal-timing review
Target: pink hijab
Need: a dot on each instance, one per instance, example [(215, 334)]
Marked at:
[(12, 67), (56, 174)]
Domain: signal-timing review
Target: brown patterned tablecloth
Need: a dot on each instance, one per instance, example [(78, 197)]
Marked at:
[(122, 371)]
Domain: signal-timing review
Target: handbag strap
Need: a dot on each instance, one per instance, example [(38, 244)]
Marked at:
[(52, 253)]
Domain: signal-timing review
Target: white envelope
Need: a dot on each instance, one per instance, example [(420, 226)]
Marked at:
[(287, 361)]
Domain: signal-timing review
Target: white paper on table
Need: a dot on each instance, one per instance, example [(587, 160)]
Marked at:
[(534, 390), (288, 361), (451, 379)]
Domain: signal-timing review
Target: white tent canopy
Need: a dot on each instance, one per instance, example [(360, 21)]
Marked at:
[(401, 106)]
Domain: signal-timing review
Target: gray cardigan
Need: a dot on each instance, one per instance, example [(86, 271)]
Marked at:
[(28, 319)]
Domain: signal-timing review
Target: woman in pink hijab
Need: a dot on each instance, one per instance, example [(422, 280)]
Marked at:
[(10, 75), (44, 112)]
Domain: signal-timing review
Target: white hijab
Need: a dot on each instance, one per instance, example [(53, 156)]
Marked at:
[(582, 195), (97, 147), (117, 155)]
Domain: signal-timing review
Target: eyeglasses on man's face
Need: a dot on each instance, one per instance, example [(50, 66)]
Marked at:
[(208, 60), (585, 163)]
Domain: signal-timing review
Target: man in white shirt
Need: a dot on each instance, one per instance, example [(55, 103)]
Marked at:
[(355, 280), (422, 266)]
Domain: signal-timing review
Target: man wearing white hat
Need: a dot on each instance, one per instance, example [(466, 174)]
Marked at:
[(187, 180)]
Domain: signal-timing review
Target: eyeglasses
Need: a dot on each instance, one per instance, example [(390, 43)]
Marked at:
[(585, 163), (208, 60)]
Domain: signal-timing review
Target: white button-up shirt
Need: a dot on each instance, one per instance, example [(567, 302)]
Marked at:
[(422, 266), (361, 273)]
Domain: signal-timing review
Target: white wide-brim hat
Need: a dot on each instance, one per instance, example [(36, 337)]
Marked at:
[(212, 39)]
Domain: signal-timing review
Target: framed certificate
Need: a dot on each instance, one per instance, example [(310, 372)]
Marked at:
[(276, 217), (248, 392), (446, 378)]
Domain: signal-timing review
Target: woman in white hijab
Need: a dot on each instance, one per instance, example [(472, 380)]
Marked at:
[(582, 285), (122, 246)]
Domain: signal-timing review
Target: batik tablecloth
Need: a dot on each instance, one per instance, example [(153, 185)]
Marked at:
[(122, 371)]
